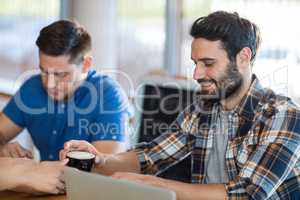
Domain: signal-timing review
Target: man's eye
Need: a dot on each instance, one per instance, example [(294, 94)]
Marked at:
[(44, 73), (61, 75), (209, 64)]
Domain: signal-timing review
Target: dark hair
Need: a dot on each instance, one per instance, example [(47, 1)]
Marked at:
[(64, 37), (233, 31)]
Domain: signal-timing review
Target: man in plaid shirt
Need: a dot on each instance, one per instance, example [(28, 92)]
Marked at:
[(244, 140)]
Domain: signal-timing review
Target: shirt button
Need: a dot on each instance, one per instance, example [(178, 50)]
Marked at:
[(62, 105), (54, 132), (51, 157)]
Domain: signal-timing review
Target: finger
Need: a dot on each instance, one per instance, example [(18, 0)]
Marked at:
[(64, 161), (29, 154), (72, 143), (13, 153), (54, 191), (77, 145), (101, 159), (52, 187), (63, 154), (92, 150), (23, 152), (62, 191), (18, 150), (62, 178), (60, 186)]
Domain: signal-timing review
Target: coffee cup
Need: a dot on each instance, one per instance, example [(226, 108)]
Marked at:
[(81, 160)]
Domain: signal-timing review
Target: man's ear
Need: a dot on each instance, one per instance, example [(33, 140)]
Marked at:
[(243, 58), (87, 63)]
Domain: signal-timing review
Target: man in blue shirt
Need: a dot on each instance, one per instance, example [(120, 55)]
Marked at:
[(67, 100)]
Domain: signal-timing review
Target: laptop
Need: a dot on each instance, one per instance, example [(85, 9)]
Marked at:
[(83, 185)]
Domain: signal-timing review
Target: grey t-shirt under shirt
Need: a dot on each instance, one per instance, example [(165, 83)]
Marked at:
[(216, 166)]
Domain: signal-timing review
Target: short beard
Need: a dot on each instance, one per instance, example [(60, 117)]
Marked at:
[(227, 86)]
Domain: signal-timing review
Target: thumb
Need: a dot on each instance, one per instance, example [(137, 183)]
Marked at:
[(64, 161), (67, 145), (101, 159)]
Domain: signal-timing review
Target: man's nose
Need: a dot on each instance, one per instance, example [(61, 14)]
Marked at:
[(199, 72), (51, 82)]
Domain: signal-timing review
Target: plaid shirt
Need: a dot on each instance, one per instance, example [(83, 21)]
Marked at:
[(263, 153)]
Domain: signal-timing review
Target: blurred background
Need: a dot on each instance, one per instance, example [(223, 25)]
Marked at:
[(139, 36), (142, 38)]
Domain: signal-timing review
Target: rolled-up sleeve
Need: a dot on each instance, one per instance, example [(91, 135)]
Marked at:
[(169, 148), (166, 150)]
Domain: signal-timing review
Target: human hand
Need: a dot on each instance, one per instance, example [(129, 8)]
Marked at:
[(15, 150), (78, 145), (41, 178)]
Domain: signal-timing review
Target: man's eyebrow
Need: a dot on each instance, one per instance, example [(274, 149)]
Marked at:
[(57, 73), (204, 59)]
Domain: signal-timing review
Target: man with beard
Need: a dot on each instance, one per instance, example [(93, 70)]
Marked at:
[(244, 140)]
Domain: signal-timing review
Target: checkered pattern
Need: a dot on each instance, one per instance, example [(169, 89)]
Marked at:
[(263, 151)]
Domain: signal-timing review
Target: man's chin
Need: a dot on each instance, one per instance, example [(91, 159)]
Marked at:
[(57, 97), (211, 100), (208, 98)]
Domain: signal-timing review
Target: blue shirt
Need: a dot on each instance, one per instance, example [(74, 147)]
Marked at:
[(96, 111)]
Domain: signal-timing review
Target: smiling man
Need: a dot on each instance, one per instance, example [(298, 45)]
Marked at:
[(244, 140), (67, 100)]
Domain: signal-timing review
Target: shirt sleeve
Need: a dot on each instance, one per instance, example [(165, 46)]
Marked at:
[(14, 110), (112, 119), (166, 150), (271, 163)]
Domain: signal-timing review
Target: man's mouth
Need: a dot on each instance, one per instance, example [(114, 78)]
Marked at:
[(206, 84), (53, 92)]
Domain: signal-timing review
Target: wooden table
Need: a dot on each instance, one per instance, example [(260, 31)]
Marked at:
[(20, 196)]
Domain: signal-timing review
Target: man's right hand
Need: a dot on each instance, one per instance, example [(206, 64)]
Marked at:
[(105, 164), (78, 145), (15, 150), (41, 178)]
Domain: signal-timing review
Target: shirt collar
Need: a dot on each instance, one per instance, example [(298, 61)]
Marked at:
[(82, 89), (251, 101)]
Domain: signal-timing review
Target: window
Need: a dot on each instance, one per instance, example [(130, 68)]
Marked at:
[(141, 36), (277, 64), (20, 23), (192, 10)]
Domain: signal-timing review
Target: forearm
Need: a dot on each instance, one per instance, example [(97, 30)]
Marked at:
[(7, 183), (8, 129), (123, 162), (186, 191), (110, 147), (3, 139)]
